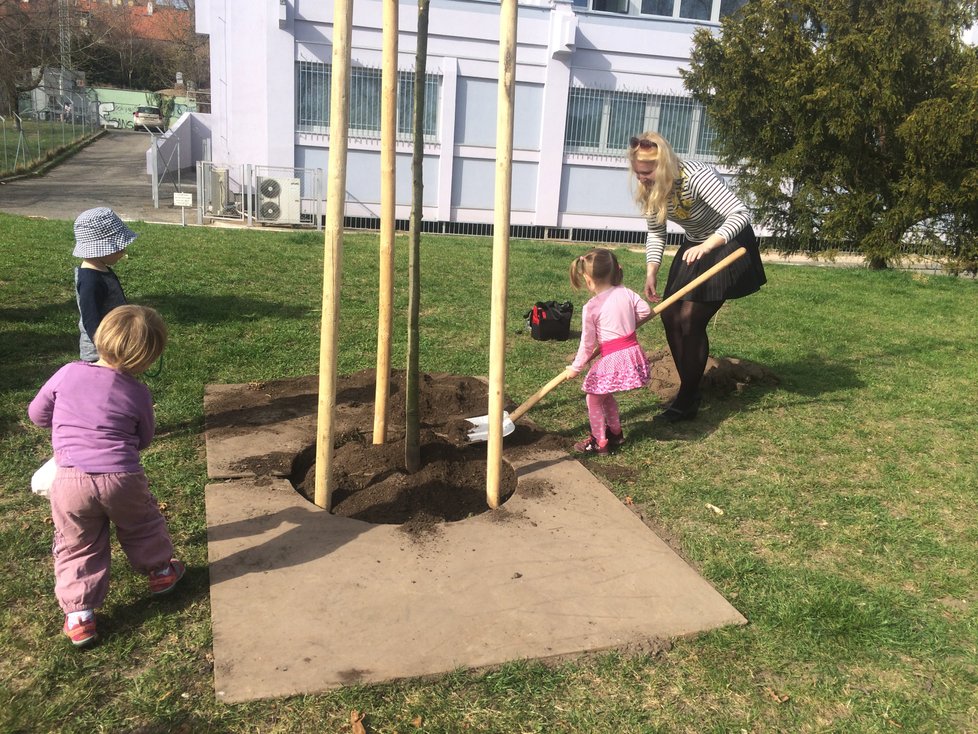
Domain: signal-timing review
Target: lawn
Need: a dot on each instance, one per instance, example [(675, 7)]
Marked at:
[(848, 536)]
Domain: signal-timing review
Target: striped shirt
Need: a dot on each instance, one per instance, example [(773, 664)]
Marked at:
[(705, 205)]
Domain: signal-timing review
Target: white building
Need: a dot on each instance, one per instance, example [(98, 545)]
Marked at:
[(588, 77)]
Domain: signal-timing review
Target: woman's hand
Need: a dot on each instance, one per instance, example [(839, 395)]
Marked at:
[(695, 253), (650, 292), (708, 245)]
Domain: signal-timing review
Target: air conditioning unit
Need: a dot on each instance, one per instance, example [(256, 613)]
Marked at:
[(219, 193), (279, 201)]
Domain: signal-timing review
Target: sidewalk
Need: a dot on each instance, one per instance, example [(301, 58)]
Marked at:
[(110, 172)]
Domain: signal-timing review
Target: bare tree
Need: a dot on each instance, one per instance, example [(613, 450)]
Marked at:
[(29, 43)]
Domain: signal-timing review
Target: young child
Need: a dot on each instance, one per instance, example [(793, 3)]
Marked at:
[(608, 321), (101, 417), (101, 240)]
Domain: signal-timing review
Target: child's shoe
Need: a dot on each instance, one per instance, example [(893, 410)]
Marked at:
[(591, 445), (615, 440), (163, 581), (80, 630)]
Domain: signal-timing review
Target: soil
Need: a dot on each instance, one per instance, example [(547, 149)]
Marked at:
[(370, 480)]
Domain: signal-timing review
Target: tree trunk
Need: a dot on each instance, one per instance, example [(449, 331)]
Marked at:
[(412, 425)]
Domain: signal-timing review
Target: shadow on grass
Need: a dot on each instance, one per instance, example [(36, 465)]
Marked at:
[(127, 618), (194, 308), (814, 378)]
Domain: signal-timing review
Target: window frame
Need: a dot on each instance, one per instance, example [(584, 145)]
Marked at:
[(681, 119), (312, 112)]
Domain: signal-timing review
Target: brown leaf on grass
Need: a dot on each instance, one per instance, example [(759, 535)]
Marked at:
[(777, 697), (629, 501), (417, 721), (356, 722)]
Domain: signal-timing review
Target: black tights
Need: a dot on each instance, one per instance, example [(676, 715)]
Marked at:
[(685, 324)]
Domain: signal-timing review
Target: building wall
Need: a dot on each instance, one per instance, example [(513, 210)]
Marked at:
[(255, 47)]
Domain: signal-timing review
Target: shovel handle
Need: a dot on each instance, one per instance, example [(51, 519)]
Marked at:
[(694, 283), (538, 395), (659, 308)]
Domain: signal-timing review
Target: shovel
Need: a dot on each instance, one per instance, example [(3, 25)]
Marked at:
[(480, 424)]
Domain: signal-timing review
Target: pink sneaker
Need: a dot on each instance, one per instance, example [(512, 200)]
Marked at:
[(591, 445), (163, 581), (81, 632)]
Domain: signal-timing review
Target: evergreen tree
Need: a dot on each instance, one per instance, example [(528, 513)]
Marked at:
[(855, 122)]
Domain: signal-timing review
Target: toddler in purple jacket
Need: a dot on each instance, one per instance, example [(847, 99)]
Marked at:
[(101, 417)]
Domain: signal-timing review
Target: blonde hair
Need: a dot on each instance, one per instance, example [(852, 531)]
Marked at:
[(653, 199), (130, 338), (600, 265)]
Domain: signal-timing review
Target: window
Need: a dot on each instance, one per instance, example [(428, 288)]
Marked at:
[(405, 104), (610, 6), (312, 97), (696, 9), (657, 7), (312, 101), (730, 6), (601, 122), (689, 9), (706, 141)]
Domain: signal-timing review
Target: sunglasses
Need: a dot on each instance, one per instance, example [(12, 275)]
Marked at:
[(642, 143)]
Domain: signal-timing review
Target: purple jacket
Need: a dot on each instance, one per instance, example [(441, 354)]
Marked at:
[(100, 418)]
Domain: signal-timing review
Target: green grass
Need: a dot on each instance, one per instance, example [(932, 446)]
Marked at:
[(848, 536), (41, 142)]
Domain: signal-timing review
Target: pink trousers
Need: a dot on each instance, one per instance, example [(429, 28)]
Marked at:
[(83, 505), (602, 412)]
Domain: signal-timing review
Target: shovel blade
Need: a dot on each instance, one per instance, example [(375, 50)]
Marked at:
[(480, 427)]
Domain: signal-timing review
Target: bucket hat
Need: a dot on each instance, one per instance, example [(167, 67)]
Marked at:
[(99, 232)]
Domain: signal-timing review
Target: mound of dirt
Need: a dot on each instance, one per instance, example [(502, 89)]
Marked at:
[(722, 376)]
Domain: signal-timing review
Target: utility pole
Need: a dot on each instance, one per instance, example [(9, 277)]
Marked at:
[(64, 39)]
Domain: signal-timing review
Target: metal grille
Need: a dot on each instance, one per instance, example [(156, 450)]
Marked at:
[(600, 122), (313, 81)]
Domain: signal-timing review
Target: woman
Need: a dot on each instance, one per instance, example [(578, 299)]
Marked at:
[(716, 222)]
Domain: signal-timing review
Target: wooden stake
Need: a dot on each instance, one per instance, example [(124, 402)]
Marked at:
[(333, 256), (500, 246), (388, 142)]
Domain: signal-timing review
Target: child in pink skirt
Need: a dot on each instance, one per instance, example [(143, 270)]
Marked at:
[(608, 321), (101, 417)]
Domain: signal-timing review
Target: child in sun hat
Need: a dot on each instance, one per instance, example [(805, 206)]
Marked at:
[(100, 418), (101, 240)]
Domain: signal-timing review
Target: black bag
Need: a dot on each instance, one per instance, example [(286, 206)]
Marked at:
[(550, 320)]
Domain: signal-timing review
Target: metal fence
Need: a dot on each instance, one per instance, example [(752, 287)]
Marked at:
[(34, 137)]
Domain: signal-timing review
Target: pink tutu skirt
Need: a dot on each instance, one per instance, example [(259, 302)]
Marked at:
[(625, 369)]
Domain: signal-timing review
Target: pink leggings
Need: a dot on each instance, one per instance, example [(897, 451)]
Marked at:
[(82, 506), (602, 411)]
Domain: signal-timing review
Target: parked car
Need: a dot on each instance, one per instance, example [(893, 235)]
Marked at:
[(147, 118)]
